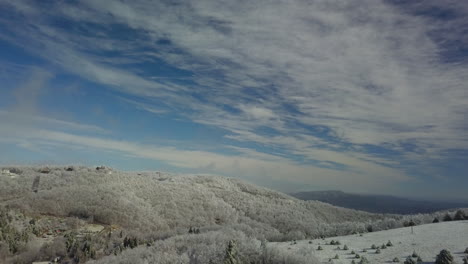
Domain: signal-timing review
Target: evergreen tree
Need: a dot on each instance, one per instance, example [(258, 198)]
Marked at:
[(364, 260), (409, 260), (444, 257), (447, 217), (231, 254), (459, 215), (436, 220)]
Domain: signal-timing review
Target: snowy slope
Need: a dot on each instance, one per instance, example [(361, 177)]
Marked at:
[(427, 241)]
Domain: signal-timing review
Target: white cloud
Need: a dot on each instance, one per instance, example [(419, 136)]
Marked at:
[(255, 112), (367, 72), (250, 164)]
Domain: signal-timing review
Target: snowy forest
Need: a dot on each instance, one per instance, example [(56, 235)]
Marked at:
[(48, 213)]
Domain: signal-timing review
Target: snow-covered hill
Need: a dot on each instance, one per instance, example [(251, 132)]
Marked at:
[(163, 217), (426, 240), (147, 202)]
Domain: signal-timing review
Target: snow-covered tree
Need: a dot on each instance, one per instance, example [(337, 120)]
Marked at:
[(444, 257)]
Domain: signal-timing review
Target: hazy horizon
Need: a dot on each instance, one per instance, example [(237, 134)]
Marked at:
[(363, 97)]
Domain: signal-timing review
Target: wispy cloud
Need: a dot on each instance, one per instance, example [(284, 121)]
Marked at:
[(320, 82)]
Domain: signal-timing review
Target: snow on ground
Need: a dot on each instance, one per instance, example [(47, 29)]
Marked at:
[(427, 241)]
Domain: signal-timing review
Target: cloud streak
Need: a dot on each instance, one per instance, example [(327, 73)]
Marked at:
[(314, 82)]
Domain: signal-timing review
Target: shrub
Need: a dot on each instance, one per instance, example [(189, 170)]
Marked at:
[(465, 260), (396, 259), (319, 248), (419, 260), (389, 244), (357, 256), (466, 250), (364, 250), (310, 242), (353, 262), (383, 246), (345, 247), (414, 255), (377, 251), (336, 256), (352, 252), (373, 246), (444, 257), (436, 220)]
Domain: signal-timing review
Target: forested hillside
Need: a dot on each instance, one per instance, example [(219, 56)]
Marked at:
[(187, 214)]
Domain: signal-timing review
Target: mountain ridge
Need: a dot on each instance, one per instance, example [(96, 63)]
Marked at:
[(376, 203)]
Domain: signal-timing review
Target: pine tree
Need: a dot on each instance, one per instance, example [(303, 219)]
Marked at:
[(447, 218), (364, 260), (444, 257), (409, 260), (459, 215), (231, 253)]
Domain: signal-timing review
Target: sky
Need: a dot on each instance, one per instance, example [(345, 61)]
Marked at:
[(364, 96)]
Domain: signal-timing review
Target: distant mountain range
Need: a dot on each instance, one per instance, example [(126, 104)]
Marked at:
[(377, 203)]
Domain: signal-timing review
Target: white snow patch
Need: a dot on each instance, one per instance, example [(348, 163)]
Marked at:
[(427, 241)]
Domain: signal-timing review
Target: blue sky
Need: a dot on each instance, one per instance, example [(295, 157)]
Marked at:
[(369, 96)]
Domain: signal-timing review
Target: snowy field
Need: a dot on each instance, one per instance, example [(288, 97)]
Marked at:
[(427, 241)]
